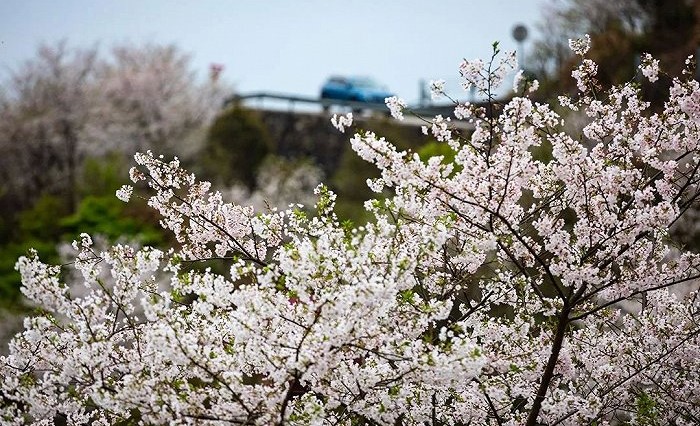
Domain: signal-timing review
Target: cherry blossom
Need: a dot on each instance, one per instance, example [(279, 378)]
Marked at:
[(396, 106), (341, 122), (650, 67), (501, 288), (437, 88), (581, 45), (124, 193)]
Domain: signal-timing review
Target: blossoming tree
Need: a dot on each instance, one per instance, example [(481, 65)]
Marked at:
[(67, 104), (499, 289)]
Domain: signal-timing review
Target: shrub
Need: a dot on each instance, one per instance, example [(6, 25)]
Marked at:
[(236, 147)]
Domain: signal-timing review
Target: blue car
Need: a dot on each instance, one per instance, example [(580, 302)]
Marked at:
[(358, 89)]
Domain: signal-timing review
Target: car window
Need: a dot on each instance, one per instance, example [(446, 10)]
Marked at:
[(364, 82)]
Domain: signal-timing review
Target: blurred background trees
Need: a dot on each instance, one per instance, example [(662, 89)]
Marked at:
[(69, 104), (152, 100), (620, 31), (70, 120), (47, 109)]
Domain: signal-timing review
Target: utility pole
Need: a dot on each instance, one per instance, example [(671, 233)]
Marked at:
[(423, 92), (520, 34)]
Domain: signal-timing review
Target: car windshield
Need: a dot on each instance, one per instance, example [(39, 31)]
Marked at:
[(364, 82)]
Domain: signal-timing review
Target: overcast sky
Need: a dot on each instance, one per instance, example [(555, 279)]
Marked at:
[(282, 46)]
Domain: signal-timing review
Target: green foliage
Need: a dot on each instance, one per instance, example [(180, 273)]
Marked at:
[(103, 176), (41, 221), (108, 217), (433, 149), (236, 146), (647, 413), (100, 212), (37, 227), (50, 221)]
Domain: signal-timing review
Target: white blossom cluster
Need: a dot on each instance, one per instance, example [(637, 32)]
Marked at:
[(124, 193), (581, 45), (396, 106), (496, 289), (486, 77), (585, 75), (437, 89), (341, 122), (650, 68), (520, 82)]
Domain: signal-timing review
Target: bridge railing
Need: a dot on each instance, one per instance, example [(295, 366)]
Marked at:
[(421, 110)]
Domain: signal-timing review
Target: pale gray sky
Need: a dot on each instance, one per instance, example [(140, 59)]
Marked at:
[(282, 46)]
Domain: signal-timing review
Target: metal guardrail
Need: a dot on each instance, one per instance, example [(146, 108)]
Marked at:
[(293, 99), (421, 110)]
